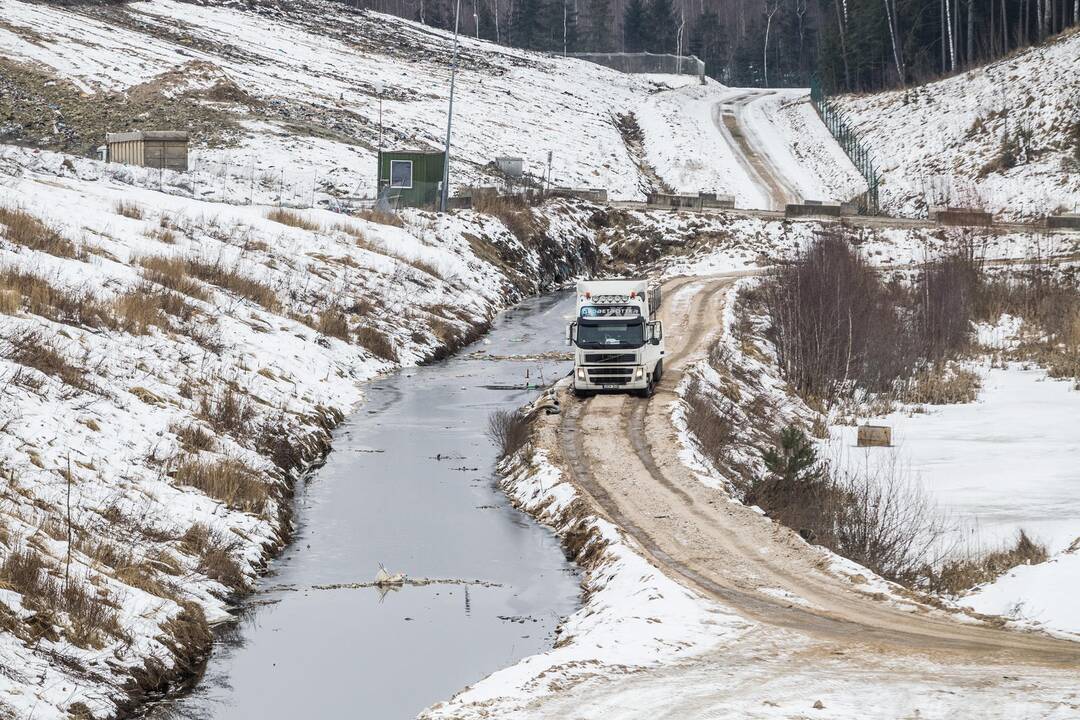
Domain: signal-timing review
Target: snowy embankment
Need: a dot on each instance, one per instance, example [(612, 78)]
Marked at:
[(942, 143), (289, 103)]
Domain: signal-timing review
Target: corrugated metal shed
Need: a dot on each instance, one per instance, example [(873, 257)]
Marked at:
[(164, 149)]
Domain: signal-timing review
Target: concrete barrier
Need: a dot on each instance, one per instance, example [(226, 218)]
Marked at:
[(1066, 221), (961, 216), (686, 200), (811, 208), (875, 436), (596, 195)]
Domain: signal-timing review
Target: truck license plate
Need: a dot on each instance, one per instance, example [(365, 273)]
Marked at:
[(611, 387)]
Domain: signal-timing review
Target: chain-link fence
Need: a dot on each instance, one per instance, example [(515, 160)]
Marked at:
[(846, 136), (648, 63)]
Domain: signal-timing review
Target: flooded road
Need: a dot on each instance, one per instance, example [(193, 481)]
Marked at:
[(410, 484)]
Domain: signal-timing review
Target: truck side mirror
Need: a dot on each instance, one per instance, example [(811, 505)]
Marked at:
[(571, 333), (656, 333)]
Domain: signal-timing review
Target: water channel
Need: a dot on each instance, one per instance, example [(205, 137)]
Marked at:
[(410, 484)]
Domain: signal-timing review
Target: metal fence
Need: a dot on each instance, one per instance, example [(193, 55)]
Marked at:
[(849, 140), (648, 63)]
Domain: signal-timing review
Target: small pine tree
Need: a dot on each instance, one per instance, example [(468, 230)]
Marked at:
[(795, 460)]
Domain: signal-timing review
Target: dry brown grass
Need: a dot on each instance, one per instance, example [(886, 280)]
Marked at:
[(424, 267), (89, 619), (229, 278), (40, 297), (512, 211), (333, 323), (957, 576), (941, 384), (292, 219), (228, 480), (180, 274), (229, 411), (383, 218), (172, 272), (215, 551), (193, 438), (147, 306), (128, 209), (29, 348), (165, 235), (376, 342), (25, 229), (10, 302)]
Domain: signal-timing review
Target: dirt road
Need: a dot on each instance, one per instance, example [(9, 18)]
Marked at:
[(623, 453), (729, 116)]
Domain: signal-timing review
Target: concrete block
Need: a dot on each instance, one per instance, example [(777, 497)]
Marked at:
[(875, 436)]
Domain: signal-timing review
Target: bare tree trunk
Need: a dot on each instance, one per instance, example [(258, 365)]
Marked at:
[(768, 26), (840, 23), (949, 24), (971, 32), (890, 14)]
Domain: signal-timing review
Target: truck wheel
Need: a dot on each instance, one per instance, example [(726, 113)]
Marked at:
[(658, 372), (647, 392), (581, 393)]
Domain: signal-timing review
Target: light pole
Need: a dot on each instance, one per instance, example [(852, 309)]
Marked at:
[(450, 114)]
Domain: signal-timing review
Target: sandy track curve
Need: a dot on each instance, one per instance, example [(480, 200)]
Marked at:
[(622, 452)]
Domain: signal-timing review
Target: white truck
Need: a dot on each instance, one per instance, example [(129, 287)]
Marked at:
[(618, 342)]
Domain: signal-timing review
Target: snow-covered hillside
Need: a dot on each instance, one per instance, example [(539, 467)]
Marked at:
[(1005, 136), (285, 102)]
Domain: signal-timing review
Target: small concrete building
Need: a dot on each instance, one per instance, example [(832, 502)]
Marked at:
[(163, 149)]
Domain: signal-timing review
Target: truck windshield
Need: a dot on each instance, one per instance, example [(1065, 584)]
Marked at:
[(610, 333)]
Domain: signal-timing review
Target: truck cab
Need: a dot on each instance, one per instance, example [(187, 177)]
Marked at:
[(618, 342)]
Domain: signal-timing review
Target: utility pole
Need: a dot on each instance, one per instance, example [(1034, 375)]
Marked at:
[(450, 114)]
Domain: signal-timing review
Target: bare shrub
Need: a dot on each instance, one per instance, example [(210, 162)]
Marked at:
[(711, 421), (216, 553), (376, 342), (25, 229), (29, 348), (292, 219), (509, 430), (946, 293), (833, 323), (91, 619), (381, 217), (164, 234), (229, 411), (228, 480), (878, 518), (940, 384), (24, 572), (955, 576)]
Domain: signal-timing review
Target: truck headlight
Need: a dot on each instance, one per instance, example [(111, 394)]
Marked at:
[(639, 373), (581, 374)]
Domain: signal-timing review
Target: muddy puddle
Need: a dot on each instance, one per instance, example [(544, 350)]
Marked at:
[(410, 484)]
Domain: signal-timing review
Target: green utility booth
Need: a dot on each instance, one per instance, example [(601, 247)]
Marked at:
[(411, 178)]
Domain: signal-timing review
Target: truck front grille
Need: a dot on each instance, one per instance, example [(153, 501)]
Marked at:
[(610, 376), (609, 357)]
